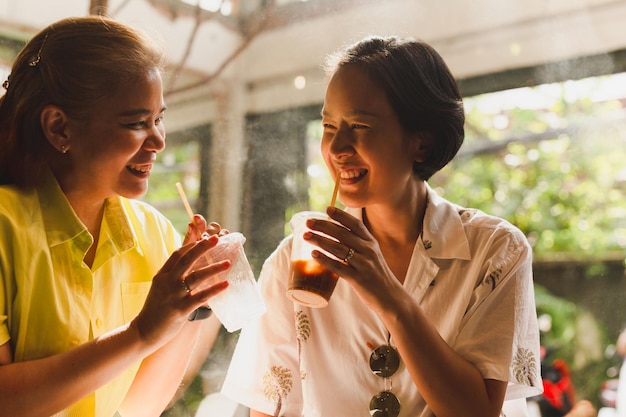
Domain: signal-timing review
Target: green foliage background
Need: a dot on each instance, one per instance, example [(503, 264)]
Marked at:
[(566, 192)]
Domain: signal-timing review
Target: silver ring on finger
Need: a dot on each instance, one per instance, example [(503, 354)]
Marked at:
[(184, 285), (349, 256)]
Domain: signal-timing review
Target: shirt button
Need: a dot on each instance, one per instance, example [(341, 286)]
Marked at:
[(98, 322)]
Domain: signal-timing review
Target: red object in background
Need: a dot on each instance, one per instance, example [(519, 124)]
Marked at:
[(558, 388)]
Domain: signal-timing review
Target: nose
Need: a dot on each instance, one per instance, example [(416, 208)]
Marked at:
[(155, 142), (341, 143)]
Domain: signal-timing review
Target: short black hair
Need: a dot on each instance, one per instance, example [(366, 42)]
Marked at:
[(420, 88)]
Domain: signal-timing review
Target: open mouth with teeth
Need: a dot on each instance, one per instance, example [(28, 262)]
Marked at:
[(139, 169), (353, 174)]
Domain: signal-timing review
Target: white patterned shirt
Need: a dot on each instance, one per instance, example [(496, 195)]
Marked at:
[(471, 273)]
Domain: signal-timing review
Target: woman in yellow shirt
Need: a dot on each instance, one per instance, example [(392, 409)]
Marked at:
[(95, 288)]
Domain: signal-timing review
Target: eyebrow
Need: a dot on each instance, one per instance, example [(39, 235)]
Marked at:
[(139, 112), (356, 112)]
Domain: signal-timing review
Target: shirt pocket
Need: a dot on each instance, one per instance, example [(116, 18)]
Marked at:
[(133, 297)]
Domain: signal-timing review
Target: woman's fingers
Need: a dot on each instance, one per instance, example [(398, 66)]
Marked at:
[(335, 247), (340, 267), (178, 289), (211, 291), (174, 257), (198, 228), (177, 274), (192, 252), (346, 229), (203, 277), (214, 228), (353, 224)]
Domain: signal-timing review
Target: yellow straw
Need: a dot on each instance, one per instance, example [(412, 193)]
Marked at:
[(183, 197), (332, 201)]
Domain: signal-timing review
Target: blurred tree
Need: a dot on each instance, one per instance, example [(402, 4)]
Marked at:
[(563, 184)]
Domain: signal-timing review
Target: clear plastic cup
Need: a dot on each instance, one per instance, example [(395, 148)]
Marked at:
[(241, 302), (310, 284)]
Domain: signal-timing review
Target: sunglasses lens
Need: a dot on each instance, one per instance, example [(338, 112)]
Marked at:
[(384, 404), (385, 361)]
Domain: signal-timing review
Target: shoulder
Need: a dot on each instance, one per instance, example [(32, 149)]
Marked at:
[(453, 231), (11, 193), (21, 222), (17, 203), (477, 221), (495, 240)]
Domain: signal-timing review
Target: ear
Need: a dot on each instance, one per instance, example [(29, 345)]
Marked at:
[(423, 143), (54, 125)]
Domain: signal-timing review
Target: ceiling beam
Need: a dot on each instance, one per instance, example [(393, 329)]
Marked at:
[(552, 72)]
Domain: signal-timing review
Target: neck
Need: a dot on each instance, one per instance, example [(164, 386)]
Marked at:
[(88, 207), (398, 224), (396, 228)]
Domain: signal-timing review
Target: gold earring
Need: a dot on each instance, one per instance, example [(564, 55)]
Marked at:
[(63, 150)]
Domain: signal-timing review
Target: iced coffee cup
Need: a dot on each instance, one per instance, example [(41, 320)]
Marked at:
[(241, 302), (310, 284)]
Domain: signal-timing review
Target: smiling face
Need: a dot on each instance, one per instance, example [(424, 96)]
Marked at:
[(364, 143), (112, 151)]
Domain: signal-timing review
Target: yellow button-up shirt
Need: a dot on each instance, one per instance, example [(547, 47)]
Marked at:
[(51, 301)]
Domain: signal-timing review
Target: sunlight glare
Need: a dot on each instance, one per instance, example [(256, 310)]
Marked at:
[(597, 89)]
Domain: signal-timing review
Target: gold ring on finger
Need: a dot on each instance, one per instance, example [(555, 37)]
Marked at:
[(183, 283), (349, 255)]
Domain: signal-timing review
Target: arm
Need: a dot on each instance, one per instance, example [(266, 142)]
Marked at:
[(44, 386), (21, 382), (180, 360), (206, 339), (450, 385)]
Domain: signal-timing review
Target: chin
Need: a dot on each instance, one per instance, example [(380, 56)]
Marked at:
[(352, 203), (133, 192)]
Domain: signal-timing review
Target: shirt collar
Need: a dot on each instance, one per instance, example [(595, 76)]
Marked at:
[(444, 236), (62, 224), (60, 220)]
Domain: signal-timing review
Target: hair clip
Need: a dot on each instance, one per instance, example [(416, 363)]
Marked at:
[(5, 84), (35, 61)]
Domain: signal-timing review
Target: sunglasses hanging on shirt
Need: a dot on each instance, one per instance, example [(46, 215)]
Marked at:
[(384, 362)]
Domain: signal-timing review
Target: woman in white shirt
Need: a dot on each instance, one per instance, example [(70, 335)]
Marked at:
[(444, 291)]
